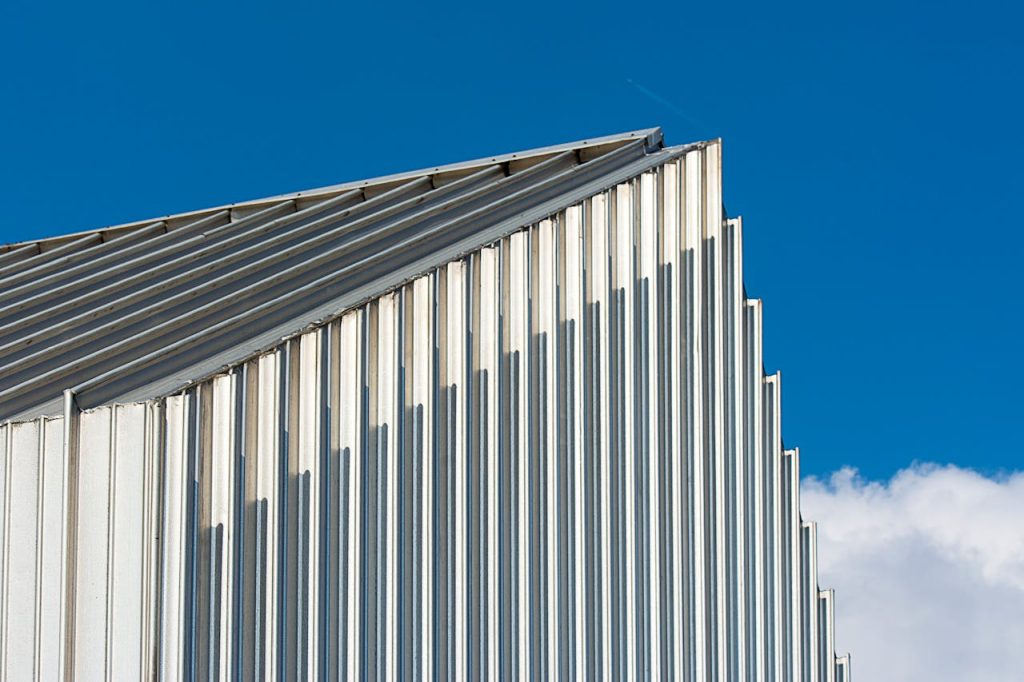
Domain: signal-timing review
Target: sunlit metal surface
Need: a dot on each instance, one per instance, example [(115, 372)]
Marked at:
[(550, 453), (139, 311)]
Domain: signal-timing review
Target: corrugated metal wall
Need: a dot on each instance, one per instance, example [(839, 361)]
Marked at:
[(555, 458)]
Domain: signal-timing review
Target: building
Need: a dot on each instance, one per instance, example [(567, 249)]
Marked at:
[(504, 418)]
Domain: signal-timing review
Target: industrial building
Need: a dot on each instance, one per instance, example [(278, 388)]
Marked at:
[(502, 419)]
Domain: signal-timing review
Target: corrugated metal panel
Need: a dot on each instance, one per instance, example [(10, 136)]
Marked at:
[(555, 456), (826, 642), (843, 668), (150, 309), (810, 631)]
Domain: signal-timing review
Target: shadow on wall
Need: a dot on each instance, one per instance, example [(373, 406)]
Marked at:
[(296, 561)]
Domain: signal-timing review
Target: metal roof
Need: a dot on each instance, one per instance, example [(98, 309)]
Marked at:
[(136, 311)]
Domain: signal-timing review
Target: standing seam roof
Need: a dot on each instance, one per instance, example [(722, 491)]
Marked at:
[(136, 311)]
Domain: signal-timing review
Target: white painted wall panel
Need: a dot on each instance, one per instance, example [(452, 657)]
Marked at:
[(21, 546), (49, 592), (97, 450), (173, 555), (127, 545)]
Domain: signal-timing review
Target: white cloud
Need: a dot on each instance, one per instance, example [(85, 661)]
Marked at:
[(928, 570)]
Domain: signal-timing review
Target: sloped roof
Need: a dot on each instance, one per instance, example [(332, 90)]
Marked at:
[(141, 310)]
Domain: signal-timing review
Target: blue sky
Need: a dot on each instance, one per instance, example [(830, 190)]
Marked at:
[(873, 151)]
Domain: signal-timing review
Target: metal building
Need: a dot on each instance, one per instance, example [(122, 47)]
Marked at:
[(500, 419)]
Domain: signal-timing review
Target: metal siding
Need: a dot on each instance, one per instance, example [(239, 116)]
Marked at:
[(127, 543), (775, 624), (826, 642), (843, 668), (173, 537), (557, 456), (698, 612), (740, 579), (97, 451), (49, 594), (672, 410), (21, 507), (754, 486), (156, 309), (808, 601)]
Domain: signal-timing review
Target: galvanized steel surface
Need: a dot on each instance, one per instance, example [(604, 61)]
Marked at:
[(554, 457), (133, 313)]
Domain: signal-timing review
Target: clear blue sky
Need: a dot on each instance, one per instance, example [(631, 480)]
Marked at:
[(875, 153)]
